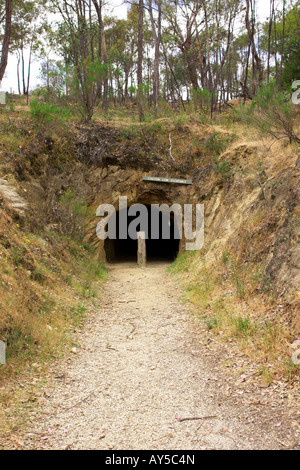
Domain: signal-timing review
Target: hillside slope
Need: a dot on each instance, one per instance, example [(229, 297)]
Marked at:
[(249, 267)]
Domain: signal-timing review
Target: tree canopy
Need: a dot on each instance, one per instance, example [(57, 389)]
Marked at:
[(171, 50)]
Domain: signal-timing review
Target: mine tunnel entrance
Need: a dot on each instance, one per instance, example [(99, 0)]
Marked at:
[(162, 236)]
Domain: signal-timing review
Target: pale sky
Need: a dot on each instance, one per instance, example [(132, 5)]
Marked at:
[(9, 82)]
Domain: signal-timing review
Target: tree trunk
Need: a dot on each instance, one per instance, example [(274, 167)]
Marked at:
[(283, 43), (140, 60), (257, 64), (105, 83), (269, 39), (18, 73), (91, 35), (6, 38), (28, 73), (23, 72), (208, 69), (192, 71), (275, 39), (199, 53), (157, 41)]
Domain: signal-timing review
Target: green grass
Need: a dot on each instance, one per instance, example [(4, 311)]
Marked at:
[(243, 326), (78, 314), (48, 112), (182, 262)]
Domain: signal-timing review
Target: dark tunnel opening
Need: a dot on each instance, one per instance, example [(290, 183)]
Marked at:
[(163, 246)]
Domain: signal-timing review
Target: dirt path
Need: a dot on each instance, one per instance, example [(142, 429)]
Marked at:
[(143, 367)]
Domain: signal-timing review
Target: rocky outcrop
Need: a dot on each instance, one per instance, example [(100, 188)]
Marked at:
[(14, 200)]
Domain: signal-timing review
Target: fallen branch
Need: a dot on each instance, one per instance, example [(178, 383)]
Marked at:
[(196, 418), (171, 148), (80, 402), (132, 331)]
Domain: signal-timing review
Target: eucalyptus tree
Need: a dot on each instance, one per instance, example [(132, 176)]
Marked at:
[(122, 47), (280, 41), (89, 70), (181, 16), (140, 59), (6, 11), (27, 30), (156, 24), (257, 66)]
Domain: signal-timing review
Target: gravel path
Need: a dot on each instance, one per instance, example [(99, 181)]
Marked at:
[(145, 376)]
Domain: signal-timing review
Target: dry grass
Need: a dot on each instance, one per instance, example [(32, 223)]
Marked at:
[(227, 282), (40, 295), (48, 284), (227, 302), (29, 270)]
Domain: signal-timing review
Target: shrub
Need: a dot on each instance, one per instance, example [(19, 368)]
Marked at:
[(47, 112), (223, 169), (216, 143), (71, 215), (243, 326), (272, 112), (202, 98)]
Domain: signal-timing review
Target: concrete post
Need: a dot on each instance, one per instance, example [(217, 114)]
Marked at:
[(142, 256)]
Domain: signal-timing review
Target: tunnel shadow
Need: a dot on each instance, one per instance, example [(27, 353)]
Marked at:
[(158, 249)]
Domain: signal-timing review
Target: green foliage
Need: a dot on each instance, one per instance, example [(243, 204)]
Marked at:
[(95, 71), (155, 127), (271, 112), (222, 168), (202, 99), (19, 341), (54, 78), (268, 95), (72, 214), (47, 112), (78, 314), (243, 326), (216, 144), (214, 323), (18, 254), (291, 69), (182, 262), (291, 54), (180, 121), (290, 46), (236, 272), (132, 89)]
